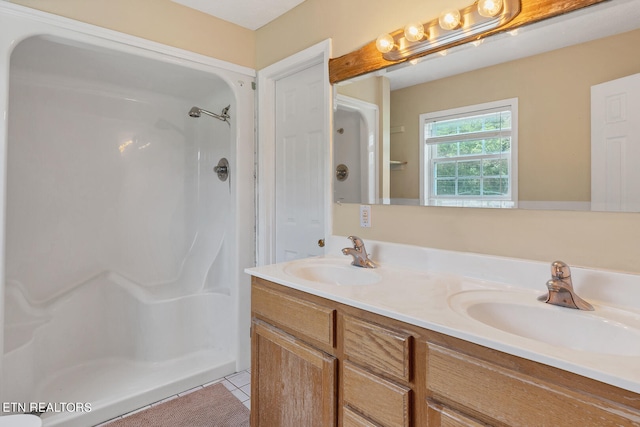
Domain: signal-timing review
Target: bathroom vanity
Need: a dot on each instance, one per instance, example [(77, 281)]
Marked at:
[(352, 352)]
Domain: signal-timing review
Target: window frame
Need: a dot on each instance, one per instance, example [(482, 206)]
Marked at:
[(426, 199)]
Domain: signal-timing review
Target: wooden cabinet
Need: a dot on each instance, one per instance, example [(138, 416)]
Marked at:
[(294, 380), (316, 362), (441, 416), (376, 398), (314, 365), (377, 347), (312, 322), (498, 394), (352, 419), (376, 372), (293, 383)]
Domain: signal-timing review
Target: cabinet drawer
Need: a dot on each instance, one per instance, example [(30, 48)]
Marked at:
[(380, 400), (303, 317), (351, 419), (441, 416), (378, 347), (514, 398)]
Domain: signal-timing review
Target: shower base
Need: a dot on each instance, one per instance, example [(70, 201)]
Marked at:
[(128, 385)]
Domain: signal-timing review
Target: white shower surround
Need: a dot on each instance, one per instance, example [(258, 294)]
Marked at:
[(123, 261)]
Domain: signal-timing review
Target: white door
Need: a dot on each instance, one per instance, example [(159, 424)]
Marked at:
[(615, 145), (299, 162)]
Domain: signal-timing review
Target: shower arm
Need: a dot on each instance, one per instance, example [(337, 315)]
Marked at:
[(224, 115)]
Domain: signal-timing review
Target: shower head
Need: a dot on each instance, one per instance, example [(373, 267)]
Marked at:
[(224, 116), (195, 112)]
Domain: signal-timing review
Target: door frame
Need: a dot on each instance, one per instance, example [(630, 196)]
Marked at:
[(266, 144)]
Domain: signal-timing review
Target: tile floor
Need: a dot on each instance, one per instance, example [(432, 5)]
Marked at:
[(239, 384)]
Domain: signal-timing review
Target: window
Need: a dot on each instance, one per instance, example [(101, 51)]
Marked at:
[(469, 156)]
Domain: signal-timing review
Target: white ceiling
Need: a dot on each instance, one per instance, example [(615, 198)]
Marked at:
[(251, 14)]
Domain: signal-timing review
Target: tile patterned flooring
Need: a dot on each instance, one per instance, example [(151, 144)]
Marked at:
[(239, 384)]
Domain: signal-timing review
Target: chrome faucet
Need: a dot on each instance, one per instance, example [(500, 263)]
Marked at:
[(359, 253), (561, 289)]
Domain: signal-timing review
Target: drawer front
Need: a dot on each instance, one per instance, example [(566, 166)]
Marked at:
[(514, 398), (351, 419), (380, 400), (441, 416), (306, 318), (378, 347)]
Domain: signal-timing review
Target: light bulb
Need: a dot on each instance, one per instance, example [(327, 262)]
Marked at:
[(414, 32), (489, 8), (449, 19), (385, 43)]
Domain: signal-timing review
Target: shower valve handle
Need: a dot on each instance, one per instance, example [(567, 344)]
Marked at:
[(222, 169)]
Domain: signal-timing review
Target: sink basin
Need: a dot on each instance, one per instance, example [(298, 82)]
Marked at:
[(330, 272), (606, 330)]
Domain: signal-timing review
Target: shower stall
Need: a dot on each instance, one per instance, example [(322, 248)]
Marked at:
[(125, 164)]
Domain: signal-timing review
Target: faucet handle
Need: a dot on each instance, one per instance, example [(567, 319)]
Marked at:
[(560, 270), (359, 253), (357, 242), (561, 289)]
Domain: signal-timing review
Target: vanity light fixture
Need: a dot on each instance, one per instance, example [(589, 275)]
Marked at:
[(451, 26), (414, 32), (449, 19), (385, 43), (489, 8)]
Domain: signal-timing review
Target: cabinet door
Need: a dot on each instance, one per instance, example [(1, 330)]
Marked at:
[(292, 383)]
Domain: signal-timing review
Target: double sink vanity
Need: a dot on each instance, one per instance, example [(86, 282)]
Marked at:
[(439, 338)]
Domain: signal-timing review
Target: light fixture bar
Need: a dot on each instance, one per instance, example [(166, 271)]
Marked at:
[(472, 23)]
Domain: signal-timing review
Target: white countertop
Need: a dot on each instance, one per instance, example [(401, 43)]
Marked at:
[(434, 299)]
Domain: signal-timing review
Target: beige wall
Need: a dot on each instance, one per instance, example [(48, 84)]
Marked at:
[(561, 127), (162, 21), (594, 239)]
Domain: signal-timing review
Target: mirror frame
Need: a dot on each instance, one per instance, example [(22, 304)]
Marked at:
[(368, 59)]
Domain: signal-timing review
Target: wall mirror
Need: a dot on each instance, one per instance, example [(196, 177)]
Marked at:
[(550, 68)]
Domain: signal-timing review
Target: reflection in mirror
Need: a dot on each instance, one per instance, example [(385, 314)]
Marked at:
[(551, 69), (354, 150), (470, 156)]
